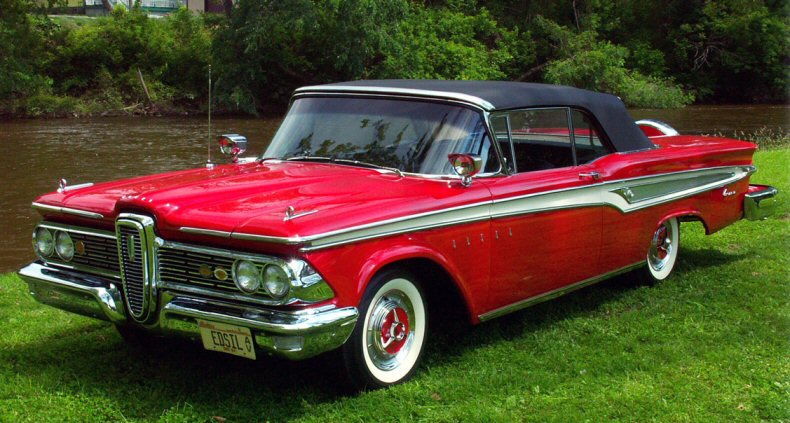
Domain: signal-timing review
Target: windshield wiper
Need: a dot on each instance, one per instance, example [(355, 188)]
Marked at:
[(344, 161), (309, 159)]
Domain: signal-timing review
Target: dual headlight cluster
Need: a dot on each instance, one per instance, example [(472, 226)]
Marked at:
[(48, 243), (294, 279), (250, 278)]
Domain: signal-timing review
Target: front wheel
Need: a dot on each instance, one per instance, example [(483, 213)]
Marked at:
[(663, 251), (387, 343)]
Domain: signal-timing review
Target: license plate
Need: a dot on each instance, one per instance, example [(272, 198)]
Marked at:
[(229, 339)]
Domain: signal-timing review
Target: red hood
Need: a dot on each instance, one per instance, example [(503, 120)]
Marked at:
[(253, 198)]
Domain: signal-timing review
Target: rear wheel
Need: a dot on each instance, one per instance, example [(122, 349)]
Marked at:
[(663, 252), (387, 343)]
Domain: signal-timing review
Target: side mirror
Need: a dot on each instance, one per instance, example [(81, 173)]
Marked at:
[(232, 145), (466, 166)]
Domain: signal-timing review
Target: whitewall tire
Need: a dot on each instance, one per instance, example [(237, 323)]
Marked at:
[(664, 249), (388, 341)]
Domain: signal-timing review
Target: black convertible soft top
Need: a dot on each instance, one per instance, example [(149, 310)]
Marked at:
[(610, 111)]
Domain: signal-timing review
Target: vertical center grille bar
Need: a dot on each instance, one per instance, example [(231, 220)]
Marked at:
[(135, 236)]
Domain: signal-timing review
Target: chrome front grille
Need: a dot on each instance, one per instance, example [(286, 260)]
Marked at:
[(135, 236), (97, 252), (203, 271), (131, 255), (178, 266)]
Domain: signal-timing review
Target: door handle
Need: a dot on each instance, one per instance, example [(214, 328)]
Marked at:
[(594, 176)]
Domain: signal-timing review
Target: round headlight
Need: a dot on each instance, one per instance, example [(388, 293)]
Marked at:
[(64, 246), (246, 276), (45, 243), (275, 281)]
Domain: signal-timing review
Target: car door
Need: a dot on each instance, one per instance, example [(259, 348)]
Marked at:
[(547, 214)]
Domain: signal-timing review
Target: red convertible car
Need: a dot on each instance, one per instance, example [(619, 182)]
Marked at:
[(381, 203)]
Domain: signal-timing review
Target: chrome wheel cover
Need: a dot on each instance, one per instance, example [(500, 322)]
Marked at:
[(661, 247), (390, 334)]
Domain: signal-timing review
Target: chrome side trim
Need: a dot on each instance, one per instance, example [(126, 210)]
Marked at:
[(667, 130), (555, 293), (199, 231), (418, 222), (272, 239), (659, 189), (653, 190), (647, 191), (442, 95), (67, 210)]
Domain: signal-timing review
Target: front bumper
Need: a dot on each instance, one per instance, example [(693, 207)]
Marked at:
[(290, 334), (759, 202)]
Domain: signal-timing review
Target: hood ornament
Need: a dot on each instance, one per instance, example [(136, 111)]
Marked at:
[(63, 186), (290, 213)]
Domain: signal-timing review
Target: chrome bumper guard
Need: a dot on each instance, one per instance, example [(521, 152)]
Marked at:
[(294, 335), (758, 204)]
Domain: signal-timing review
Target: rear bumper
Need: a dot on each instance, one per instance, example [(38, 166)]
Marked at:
[(290, 334), (759, 202)]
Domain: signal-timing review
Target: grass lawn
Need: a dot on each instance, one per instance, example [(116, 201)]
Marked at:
[(711, 344)]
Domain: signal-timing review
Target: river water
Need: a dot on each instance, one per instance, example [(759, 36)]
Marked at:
[(37, 153)]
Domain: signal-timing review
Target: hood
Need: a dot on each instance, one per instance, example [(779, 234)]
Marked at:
[(253, 198)]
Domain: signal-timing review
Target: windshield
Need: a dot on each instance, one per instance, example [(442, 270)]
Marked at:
[(411, 136)]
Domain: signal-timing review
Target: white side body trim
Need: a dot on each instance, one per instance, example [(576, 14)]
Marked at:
[(626, 195)]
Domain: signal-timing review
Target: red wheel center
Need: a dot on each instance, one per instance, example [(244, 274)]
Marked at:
[(395, 330), (661, 240)]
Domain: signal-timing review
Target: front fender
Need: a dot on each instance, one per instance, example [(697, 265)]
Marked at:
[(349, 269)]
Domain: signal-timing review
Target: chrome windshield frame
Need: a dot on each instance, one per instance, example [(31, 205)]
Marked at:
[(453, 100)]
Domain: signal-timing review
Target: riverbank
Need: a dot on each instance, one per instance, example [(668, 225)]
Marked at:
[(709, 344), (64, 107)]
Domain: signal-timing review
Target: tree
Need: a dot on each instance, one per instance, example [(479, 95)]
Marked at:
[(270, 47)]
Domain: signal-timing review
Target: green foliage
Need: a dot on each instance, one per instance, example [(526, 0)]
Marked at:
[(584, 61), (736, 50), (172, 54), (97, 61), (188, 55), (22, 48), (447, 44), (650, 55), (268, 48)]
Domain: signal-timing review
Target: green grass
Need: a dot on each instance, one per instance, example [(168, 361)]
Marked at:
[(710, 344)]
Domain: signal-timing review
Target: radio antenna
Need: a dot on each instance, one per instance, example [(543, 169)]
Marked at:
[(208, 162)]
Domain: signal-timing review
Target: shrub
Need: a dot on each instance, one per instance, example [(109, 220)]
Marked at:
[(445, 44), (22, 49), (268, 47), (586, 62)]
